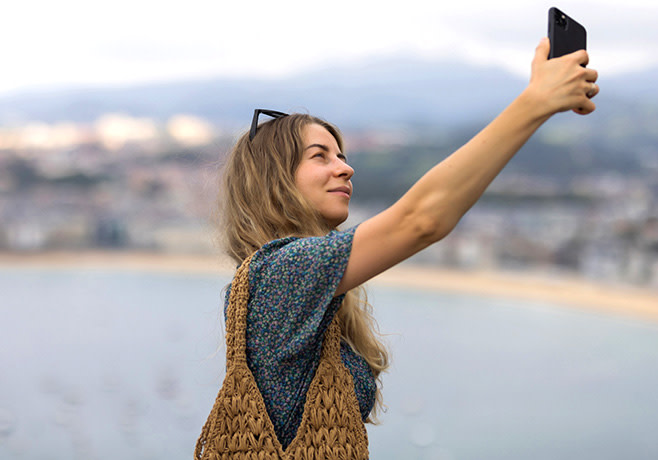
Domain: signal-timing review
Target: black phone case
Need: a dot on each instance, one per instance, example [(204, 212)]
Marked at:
[(566, 35)]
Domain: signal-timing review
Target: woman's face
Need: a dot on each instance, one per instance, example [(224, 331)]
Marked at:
[(323, 175)]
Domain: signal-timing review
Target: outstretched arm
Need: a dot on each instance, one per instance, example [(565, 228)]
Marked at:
[(435, 204)]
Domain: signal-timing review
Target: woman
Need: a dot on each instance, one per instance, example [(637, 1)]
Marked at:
[(287, 189)]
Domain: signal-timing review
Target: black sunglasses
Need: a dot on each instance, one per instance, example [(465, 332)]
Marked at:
[(269, 113)]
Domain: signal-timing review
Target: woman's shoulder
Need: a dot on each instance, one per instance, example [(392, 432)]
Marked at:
[(313, 247), (284, 259)]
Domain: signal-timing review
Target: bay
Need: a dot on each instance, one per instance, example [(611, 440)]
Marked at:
[(106, 364)]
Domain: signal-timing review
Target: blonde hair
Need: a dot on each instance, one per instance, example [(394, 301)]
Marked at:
[(260, 202)]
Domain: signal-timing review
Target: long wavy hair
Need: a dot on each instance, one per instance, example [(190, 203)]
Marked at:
[(259, 202)]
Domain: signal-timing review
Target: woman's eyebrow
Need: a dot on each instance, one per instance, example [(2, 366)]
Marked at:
[(323, 147)]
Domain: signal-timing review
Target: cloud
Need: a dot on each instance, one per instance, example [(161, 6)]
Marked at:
[(75, 42)]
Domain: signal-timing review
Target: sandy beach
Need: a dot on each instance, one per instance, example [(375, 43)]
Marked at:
[(564, 290)]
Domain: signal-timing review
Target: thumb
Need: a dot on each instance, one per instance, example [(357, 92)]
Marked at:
[(541, 53)]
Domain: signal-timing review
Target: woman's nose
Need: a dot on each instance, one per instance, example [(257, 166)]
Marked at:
[(344, 170)]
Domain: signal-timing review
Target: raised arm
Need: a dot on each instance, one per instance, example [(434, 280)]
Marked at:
[(433, 206)]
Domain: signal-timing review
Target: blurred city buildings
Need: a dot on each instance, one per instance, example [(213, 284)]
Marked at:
[(137, 184)]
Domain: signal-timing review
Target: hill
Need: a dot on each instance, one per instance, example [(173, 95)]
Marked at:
[(370, 93)]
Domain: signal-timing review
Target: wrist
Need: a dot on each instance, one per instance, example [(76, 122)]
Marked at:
[(535, 105)]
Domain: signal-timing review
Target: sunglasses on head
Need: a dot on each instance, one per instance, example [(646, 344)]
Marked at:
[(269, 113)]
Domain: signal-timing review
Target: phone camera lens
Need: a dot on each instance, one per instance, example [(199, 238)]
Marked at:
[(561, 20)]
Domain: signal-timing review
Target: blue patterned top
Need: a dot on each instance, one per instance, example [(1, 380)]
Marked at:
[(292, 285)]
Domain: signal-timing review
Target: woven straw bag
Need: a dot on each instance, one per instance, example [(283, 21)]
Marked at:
[(239, 427)]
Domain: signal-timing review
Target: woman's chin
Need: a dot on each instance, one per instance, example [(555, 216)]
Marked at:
[(335, 221)]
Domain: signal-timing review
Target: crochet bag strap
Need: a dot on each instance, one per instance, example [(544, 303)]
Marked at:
[(236, 322), (236, 316)]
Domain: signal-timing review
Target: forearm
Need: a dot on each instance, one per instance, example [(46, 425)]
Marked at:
[(446, 192)]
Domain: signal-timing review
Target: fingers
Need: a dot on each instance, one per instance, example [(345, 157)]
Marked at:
[(588, 84), (581, 57), (541, 52), (591, 75), (543, 48), (586, 108)]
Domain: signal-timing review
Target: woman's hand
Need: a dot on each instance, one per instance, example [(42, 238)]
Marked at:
[(563, 83)]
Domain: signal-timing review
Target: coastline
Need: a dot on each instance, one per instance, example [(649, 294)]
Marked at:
[(567, 291)]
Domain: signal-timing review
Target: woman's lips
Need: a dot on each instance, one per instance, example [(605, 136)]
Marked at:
[(345, 191)]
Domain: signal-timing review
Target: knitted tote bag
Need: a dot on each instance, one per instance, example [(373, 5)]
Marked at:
[(239, 427)]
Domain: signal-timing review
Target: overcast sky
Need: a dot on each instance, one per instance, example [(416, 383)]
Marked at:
[(49, 43)]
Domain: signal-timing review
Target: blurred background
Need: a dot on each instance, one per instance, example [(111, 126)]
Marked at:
[(115, 118)]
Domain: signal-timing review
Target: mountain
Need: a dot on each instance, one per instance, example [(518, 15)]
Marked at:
[(363, 94), (370, 93)]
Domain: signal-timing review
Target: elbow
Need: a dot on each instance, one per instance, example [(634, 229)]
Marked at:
[(433, 227), (427, 220)]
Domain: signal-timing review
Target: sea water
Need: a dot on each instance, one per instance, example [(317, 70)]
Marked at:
[(102, 364)]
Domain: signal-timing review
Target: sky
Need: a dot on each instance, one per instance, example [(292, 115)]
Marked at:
[(48, 44)]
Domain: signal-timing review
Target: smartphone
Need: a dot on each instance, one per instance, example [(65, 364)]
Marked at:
[(565, 34)]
